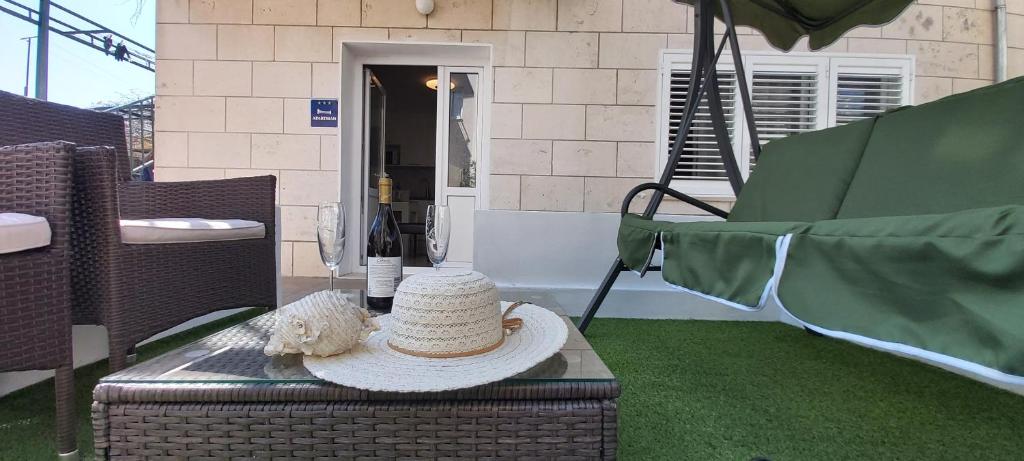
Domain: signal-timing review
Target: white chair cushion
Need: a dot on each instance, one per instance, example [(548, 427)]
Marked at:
[(186, 230), (19, 232)]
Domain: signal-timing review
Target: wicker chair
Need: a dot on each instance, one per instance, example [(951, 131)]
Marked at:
[(137, 291), (35, 303)]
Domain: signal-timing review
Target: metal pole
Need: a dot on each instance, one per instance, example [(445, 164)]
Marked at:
[(602, 292), (741, 78), (28, 61), (690, 109), (131, 140), (42, 49), (1000, 40), (703, 80), (692, 100)]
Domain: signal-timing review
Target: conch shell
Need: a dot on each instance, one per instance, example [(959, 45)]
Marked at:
[(324, 323)]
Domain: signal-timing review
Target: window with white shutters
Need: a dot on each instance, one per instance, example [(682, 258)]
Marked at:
[(790, 93), (861, 88), (864, 95), (786, 96), (700, 158)]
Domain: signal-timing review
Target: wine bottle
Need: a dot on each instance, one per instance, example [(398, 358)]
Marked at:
[(383, 253)]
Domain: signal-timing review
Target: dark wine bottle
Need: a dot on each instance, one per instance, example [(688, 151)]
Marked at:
[(383, 253)]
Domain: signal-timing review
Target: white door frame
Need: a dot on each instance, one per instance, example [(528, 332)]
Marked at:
[(353, 57)]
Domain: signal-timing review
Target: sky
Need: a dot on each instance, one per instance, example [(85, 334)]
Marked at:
[(79, 75)]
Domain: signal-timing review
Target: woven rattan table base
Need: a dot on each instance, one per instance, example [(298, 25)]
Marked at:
[(539, 429), (222, 398)]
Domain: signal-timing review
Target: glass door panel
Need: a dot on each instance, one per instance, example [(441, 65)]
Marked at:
[(459, 149), (463, 133)]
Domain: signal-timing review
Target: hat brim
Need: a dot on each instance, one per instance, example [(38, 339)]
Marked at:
[(373, 365)]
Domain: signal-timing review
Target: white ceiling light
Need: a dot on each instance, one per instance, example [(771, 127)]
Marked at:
[(432, 83)]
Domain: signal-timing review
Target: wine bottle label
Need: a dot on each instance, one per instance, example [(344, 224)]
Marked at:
[(383, 276)]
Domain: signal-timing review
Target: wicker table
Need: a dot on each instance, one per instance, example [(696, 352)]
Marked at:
[(220, 398)]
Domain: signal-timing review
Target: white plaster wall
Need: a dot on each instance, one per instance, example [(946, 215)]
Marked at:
[(568, 254)]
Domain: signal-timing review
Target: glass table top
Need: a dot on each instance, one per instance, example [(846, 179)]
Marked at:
[(235, 356)]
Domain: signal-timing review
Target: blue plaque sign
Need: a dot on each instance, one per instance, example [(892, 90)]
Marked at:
[(323, 112)]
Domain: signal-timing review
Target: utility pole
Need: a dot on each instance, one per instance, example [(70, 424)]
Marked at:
[(28, 61), (43, 49)]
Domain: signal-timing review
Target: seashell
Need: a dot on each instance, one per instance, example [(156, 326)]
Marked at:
[(324, 323)]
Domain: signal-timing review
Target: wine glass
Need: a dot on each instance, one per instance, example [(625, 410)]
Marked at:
[(438, 232), (330, 234)]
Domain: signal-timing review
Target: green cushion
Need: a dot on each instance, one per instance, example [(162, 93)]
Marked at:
[(960, 152), (803, 177), (951, 284), (726, 260), (637, 239)]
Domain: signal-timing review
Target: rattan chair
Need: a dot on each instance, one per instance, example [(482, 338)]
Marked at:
[(35, 287), (137, 291)]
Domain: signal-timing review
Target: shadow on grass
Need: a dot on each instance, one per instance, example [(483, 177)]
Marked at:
[(27, 416)]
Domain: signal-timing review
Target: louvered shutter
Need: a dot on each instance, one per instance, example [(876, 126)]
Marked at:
[(787, 96), (700, 159), (790, 94), (864, 95), (862, 88)]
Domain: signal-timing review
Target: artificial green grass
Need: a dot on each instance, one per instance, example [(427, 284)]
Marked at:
[(27, 416), (701, 390)]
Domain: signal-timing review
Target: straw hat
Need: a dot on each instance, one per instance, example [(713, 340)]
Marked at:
[(446, 331)]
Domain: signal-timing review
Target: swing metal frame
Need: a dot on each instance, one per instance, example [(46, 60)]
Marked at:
[(704, 84)]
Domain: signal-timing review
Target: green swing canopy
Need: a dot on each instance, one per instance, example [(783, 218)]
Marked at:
[(783, 22)]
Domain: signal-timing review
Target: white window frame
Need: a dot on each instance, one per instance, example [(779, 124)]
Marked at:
[(827, 65)]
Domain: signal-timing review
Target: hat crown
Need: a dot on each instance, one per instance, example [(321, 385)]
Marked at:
[(446, 314)]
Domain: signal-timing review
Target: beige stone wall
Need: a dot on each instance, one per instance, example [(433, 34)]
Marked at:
[(574, 88)]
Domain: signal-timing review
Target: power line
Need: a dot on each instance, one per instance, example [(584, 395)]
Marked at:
[(71, 54), (89, 33)]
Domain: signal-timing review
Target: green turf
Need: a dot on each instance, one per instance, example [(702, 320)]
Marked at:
[(711, 391), (734, 390), (26, 416)]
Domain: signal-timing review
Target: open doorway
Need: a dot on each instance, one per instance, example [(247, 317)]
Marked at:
[(419, 112), (402, 131)]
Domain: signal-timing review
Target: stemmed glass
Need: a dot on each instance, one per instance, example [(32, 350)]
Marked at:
[(330, 234), (438, 232)]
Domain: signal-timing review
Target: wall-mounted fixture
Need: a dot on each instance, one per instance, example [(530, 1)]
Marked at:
[(425, 7)]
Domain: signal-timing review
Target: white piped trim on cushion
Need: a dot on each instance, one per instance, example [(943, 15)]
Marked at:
[(20, 232), (772, 290), (188, 230), (780, 243), (906, 349)]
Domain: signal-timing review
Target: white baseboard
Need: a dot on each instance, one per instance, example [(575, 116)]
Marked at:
[(637, 303)]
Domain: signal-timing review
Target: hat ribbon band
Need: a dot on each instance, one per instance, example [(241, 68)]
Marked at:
[(511, 325)]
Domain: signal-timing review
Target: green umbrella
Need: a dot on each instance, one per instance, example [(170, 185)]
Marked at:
[(783, 22)]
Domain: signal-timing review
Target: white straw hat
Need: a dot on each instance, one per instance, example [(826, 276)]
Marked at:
[(446, 332)]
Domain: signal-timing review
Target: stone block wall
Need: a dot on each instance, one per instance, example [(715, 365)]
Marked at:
[(573, 113)]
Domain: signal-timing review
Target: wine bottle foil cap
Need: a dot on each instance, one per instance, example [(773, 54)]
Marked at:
[(385, 189)]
